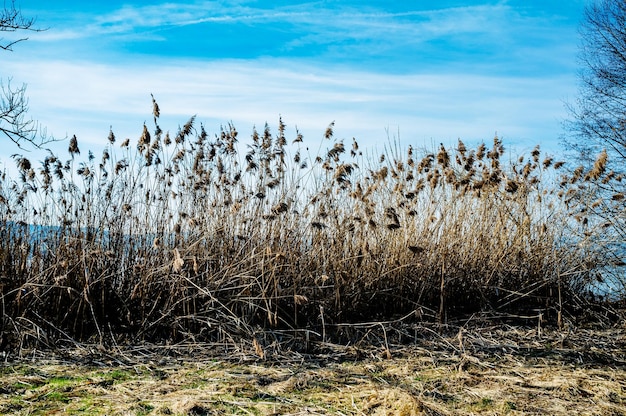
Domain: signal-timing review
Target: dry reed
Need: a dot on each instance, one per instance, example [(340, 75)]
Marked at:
[(189, 239)]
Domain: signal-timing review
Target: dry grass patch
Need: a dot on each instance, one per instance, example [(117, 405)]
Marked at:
[(430, 379)]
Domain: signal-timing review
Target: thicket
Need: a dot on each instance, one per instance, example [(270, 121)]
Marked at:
[(192, 237)]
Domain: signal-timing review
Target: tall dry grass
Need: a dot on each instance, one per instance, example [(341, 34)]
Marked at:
[(189, 236)]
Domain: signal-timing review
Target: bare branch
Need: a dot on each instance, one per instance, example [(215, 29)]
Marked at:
[(13, 110), (598, 119), (14, 123), (12, 20)]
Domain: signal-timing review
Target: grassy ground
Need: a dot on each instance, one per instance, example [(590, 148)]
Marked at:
[(486, 371)]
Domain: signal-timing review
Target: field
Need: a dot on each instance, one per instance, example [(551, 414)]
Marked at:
[(183, 275), (486, 371)]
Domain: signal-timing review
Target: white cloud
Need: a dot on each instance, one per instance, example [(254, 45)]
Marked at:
[(85, 95), (323, 24), (86, 98)]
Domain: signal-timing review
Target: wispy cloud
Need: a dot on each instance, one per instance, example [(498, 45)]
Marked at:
[(342, 21), (86, 98), (431, 75), (313, 29)]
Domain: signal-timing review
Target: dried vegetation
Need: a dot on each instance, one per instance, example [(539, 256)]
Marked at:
[(490, 371), (188, 238)]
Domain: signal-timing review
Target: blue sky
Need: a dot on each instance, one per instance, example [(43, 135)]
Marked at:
[(428, 71)]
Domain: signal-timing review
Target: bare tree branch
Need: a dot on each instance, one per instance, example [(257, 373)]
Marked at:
[(598, 118), (14, 123), (598, 125), (12, 20)]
